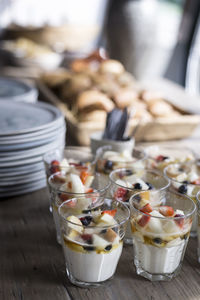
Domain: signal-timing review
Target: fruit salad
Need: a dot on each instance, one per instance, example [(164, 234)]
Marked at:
[(110, 160), (76, 183), (92, 240), (185, 179), (126, 182), (160, 232), (158, 157), (67, 159)]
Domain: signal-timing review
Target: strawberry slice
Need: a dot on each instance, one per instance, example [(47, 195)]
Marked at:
[(166, 211), (144, 220), (197, 181), (147, 208), (89, 190), (111, 212), (54, 169), (63, 197), (87, 238), (121, 194), (79, 166), (83, 176), (55, 163), (179, 222)]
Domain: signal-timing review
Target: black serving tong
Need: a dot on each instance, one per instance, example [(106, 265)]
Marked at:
[(116, 124)]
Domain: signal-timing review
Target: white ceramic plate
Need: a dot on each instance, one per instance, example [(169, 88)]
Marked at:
[(26, 189), (6, 182), (21, 170)]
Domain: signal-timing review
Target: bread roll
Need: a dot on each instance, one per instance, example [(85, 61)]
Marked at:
[(160, 109), (93, 116), (124, 97), (111, 66), (94, 100)]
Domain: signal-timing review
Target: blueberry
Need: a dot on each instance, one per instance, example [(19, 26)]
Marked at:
[(181, 170), (182, 189), (157, 241), (86, 220), (108, 165), (108, 248), (85, 211), (137, 186), (103, 231), (165, 157), (129, 173), (185, 181), (149, 185), (89, 248)]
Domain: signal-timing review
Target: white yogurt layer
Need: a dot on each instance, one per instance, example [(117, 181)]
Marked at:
[(155, 260), (91, 266)]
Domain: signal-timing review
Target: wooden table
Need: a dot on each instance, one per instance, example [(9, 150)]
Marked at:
[(32, 264)]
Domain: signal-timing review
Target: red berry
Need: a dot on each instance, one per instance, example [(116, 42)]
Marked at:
[(111, 212), (166, 211), (144, 220), (121, 194), (160, 158), (87, 238), (63, 197), (146, 209), (180, 221), (54, 169), (55, 163)]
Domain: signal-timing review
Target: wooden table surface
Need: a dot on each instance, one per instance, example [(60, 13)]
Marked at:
[(32, 264)]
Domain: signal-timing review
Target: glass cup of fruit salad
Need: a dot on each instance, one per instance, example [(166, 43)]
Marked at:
[(75, 183), (198, 225), (108, 159), (126, 182), (62, 159), (185, 179), (92, 239), (158, 157), (160, 232)]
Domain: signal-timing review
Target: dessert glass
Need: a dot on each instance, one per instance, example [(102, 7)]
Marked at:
[(198, 225), (92, 239), (58, 193), (127, 182), (55, 161), (185, 179), (108, 159), (160, 232), (158, 157)]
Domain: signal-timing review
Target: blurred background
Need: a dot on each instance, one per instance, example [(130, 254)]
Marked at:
[(152, 38)]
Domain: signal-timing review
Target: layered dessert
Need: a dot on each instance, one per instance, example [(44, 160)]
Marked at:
[(76, 183), (126, 182), (185, 179), (92, 242), (160, 234), (158, 157), (110, 160)]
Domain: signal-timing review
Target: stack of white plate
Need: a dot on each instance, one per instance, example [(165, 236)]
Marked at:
[(27, 132), (12, 89)]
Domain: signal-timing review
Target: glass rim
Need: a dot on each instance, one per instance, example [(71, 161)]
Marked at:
[(198, 196), (108, 183), (147, 171), (101, 149), (174, 180), (170, 148), (165, 218), (92, 226)]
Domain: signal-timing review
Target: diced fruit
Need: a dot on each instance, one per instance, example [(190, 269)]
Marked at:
[(59, 179), (89, 181), (144, 220), (155, 224), (170, 226), (107, 218), (179, 221), (86, 220), (77, 185), (110, 235), (75, 223), (55, 163), (146, 209), (89, 190), (111, 212), (121, 194), (83, 176), (197, 181), (87, 238), (71, 203), (108, 165), (99, 241), (64, 163), (166, 211), (73, 234), (160, 158), (55, 169), (63, 197), (181, 177), (182, 189)]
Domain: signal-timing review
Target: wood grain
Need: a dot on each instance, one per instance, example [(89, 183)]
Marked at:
[(32, 263)]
